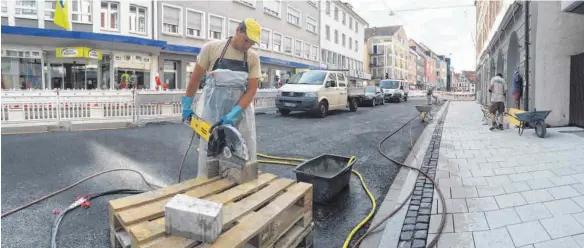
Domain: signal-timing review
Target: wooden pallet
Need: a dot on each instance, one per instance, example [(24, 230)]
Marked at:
[(266, 212)]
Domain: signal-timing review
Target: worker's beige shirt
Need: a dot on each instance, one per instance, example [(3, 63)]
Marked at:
[(212, 51)]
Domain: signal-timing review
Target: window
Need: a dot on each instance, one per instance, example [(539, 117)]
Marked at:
[(109, 16), (350, 43), (216, 27), (336, 13), (311, 24), (293, 16), (249, 3), (350, 22), (232, 26), (4, 7), (21, 69), (344, 17), (171, 17), (137, 19), (328, 7), (195, 23), (312, 2), (272, 7), (337, 36), (356, 27), (314, 53), (288, 45), (298, 48), (25, 8), (306, 50), (265, 39), (327, 31), (81, 11), (356, 46), (344, 42), (277, 42)]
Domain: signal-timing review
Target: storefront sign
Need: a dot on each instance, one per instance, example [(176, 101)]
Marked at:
[(301, 69), (132, 61), (78, 52)]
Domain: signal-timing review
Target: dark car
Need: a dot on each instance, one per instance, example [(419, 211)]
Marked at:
[(373, 96)]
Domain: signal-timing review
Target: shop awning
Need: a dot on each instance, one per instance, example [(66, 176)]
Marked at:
[(63, 38)]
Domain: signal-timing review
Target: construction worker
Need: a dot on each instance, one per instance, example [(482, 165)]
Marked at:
[(232, 74), (498, 90)]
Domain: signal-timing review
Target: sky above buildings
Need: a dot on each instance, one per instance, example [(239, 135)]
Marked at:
[(447, 31)]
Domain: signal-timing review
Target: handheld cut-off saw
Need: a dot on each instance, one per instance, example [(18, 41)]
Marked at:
[(225, 142)]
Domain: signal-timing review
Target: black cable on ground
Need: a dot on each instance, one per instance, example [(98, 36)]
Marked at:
[(78, 203), (182, 163), (441, 196)]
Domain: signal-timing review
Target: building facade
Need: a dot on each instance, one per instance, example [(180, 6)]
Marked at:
[(421, 78), (552, 69), (412, 67), (290, 35), (388, 51), (441, 72), (341, 38), (431, 61), (110, 45)]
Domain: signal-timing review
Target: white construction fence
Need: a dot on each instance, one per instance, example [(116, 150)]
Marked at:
[(53, 107)]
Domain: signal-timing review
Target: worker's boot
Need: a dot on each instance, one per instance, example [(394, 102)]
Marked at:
[(494, 126), (500, 127)]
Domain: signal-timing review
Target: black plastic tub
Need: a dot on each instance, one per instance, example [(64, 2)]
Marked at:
[(328, 174)]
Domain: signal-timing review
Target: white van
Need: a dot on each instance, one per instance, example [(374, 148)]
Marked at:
[(319, 91), (394, 90)]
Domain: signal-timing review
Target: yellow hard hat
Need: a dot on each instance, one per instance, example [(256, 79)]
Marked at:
[(252, 29)]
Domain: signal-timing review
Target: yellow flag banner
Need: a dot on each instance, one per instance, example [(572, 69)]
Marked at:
[(61, 18)]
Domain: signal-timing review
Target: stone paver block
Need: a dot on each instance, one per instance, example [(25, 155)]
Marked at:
[(562, 226), (516, 187), (490, 190), (579, 187), (563, 180), (563, 192), (542, 174), (193, 218), (579, 239), (482, 172), (468, 222), (535, 196), (564, 171), (463, 192), (520, 177), (453, 206), (561, 207), (456, 240), (481, 204), (407, 235), (435, 223), (567, 242), (540, 183), (528, 233), (450, 182), (531, 212), (474, 181), (498, 238), (502, 217), (510, 200), (504, 171), (498, 180)]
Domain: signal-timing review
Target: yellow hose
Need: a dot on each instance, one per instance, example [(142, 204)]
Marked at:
[(373, 203)]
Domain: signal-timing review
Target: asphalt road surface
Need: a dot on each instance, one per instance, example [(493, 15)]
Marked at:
[(35, 164)]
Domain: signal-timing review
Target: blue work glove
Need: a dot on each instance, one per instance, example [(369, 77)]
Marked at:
[(233, 117), (187, 106)]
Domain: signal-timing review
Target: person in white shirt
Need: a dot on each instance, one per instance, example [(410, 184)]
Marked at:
[(498, 90)]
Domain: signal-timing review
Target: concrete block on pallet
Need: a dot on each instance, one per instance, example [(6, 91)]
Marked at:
[(193, 218)]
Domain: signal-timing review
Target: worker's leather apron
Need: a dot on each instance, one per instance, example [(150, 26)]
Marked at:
[(224, 86)]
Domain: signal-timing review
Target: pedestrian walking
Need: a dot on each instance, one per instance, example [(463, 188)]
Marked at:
[(498, 91)]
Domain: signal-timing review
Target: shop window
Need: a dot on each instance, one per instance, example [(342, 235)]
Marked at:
[(288, 45), (323, 56), (106, 73), (272, 7), (265, 40), (109, 16), (216, 26), (190, 68), (26, 9), (170, 73), (171, 19), (311, 24), (232, 28), (314, 53), (298, 48), (138, 19), (277, 42), (21, 69), (132, 79), (306, 50), (293, 16), (195, 23)]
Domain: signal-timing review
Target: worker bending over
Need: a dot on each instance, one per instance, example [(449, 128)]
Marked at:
[(232, 72), (430, 95)]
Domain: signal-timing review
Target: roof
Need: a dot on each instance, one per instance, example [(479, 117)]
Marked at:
[(349, 7), (381, 31), (470, 75)]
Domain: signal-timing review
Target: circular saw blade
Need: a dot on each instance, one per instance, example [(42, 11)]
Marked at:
[(227, 136)]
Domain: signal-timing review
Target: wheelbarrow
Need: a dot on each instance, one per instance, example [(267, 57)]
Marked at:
[(534, 119), (425, 110)]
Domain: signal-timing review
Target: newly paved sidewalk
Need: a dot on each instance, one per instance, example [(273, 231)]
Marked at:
[(505, 190), (502, 190)]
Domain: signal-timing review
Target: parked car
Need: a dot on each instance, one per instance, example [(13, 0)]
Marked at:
[(394, 90), (373, 96), (319, 91)]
